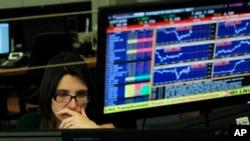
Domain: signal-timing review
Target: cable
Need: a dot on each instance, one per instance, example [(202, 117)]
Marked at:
[(207, 120), (143, 123)]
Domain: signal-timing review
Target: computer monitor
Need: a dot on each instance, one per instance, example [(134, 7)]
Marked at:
[(112, 135), (4, 39), (161, 58)]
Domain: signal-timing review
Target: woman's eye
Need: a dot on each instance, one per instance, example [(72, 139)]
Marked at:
[(82, 93), (62, 93)]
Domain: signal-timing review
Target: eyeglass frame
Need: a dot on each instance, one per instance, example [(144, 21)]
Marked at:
[(71, 97)]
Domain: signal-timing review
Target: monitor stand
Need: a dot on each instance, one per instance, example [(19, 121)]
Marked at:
[(127, 124)]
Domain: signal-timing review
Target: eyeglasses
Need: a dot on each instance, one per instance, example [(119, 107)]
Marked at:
[(66, 98)]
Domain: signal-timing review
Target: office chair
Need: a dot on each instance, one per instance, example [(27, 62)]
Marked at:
[(45, 46), (11, 86), (6, 115)]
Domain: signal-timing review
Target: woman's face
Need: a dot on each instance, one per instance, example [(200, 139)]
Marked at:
[(70, 85)]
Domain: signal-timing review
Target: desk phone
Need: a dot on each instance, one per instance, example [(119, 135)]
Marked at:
[(15, 59), (15, 55)]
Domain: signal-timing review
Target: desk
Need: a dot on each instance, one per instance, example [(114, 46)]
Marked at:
[(91, 61), (13, 71)]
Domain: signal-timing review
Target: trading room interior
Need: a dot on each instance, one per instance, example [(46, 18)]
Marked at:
[(26, 19)]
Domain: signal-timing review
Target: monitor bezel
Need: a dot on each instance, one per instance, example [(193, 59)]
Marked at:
[(203, 106), (5, 54)]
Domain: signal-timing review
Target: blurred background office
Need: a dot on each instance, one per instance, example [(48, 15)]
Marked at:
[(28, 18)]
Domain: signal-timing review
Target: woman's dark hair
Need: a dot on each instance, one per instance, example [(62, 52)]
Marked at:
[(58, 66)]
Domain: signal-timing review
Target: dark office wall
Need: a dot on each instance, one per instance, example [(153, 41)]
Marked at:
[(33, 27), (46, 9), (25, 22)]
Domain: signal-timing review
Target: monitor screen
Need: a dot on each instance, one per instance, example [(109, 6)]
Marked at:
[(4, 39), (163, 58)]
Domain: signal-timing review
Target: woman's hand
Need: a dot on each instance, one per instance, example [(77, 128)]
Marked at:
[(77, 120)]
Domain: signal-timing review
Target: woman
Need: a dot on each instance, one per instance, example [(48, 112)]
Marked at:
[(65, 94)]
